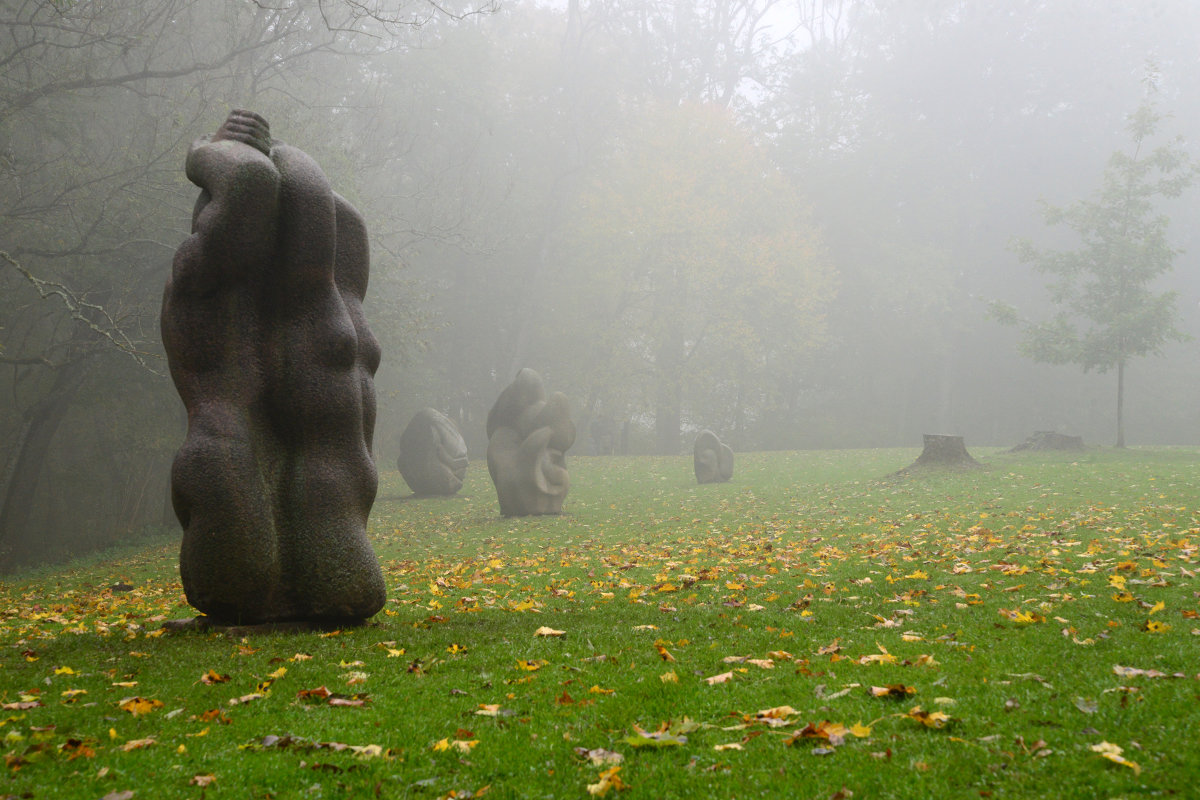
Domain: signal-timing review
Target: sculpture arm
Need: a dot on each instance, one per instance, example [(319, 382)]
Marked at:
[(234, 223)]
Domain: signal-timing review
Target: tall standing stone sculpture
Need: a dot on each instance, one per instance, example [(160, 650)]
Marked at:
[(263, 325), (528, 437), (712, 459), (433, 455)]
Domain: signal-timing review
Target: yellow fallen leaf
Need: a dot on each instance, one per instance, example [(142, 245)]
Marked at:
[(729, 746), (778, 712), (547, 631), (1113, 753), (65, 671), (931, 719), (669, 677), (609, 779), (1157, 607), (715, 679), (860, 730), (277, 674), (139, 705), (463, 746)]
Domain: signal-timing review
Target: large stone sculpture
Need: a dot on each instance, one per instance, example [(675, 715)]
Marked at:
[(433, 455), (528, 437), (264, 330), (712, 459)]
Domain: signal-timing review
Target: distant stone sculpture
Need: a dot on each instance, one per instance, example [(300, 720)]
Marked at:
[(528, 437), (712, 459), (433, 455), (264, 331)]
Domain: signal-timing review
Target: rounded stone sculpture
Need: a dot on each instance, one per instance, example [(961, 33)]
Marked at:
[(528, 437), (712, 459), (263, 326), (433, 455)]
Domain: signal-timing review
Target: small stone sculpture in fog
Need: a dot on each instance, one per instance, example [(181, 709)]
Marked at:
[(528, 437), (264, 331), (433, 455), (712, 459)]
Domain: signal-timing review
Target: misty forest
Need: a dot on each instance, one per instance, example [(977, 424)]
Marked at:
[(801, 224)]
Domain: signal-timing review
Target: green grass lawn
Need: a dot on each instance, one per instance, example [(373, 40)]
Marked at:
[(1032, 628)]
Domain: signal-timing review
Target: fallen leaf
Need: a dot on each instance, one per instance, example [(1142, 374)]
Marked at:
[(609, 779), (546, 631), (599, 756), (931, 719), (138, 744), (139, 705), (1113, 752), (715, 679)]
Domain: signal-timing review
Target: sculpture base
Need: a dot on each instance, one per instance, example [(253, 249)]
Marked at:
[(206, 624)]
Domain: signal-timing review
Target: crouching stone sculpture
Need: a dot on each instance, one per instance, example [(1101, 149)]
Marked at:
[(528, 437), (712, 459), (264, 331), (433, 455)]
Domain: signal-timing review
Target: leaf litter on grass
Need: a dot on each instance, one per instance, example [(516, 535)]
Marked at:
[(870, 586)]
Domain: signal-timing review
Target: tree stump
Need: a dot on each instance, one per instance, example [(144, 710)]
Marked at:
[(1049, 440), (942, 452)]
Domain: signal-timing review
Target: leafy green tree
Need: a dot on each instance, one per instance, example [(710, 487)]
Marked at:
[(1107, 308)]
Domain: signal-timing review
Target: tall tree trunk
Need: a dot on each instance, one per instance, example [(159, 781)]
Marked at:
[(1121, 403), (667, 418), (24, 471), (668, 400)]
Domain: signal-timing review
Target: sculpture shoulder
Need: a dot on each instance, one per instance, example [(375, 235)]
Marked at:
[(225, 165)]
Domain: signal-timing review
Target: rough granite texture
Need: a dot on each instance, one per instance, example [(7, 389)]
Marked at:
[(528, 437), (433, 455), (264, 330)]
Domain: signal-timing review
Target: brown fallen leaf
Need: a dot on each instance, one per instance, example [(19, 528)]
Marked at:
[(715, 679), (138, 744), (599, 756)]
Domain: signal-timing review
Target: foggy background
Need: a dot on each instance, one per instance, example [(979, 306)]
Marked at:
[(779, 219)]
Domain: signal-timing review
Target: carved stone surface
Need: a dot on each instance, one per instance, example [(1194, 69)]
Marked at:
[(712, 459), (433, 455), (264, 331), (528, 437)]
